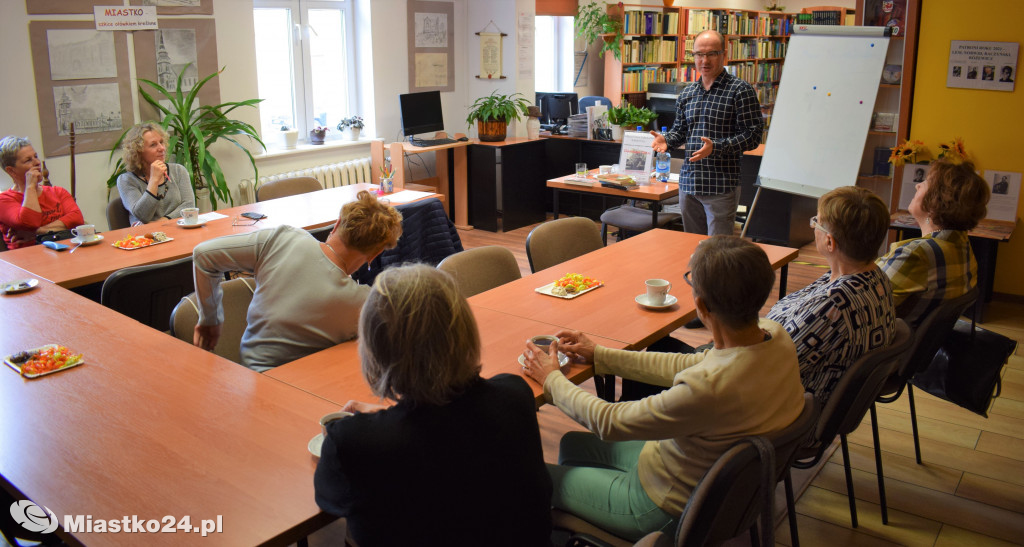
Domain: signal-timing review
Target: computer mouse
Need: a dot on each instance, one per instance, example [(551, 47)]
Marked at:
[(463, 139)]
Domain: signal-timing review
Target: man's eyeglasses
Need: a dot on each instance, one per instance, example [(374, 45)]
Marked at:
[(706, 54), (816, 224), (244, 221)]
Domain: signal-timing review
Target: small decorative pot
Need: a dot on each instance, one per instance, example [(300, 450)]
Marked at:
[(387, 185), (616, 132), (290, 138), (317, 137), (352, 133)]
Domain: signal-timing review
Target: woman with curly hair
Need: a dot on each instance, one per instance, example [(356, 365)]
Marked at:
[(151, 189)]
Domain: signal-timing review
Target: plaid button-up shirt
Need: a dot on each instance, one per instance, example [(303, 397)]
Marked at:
[(730, 116)]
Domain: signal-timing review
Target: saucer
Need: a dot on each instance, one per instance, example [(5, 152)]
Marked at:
[(95, 239), (181, 222), (315, 444), (669, 302), (563, 360), (19, 285)]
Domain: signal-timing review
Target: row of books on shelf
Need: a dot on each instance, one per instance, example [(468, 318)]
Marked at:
[(738, 22), (821, 17), (650, 50), (635, 79), (650, 22), (767, 93), (755, 49)]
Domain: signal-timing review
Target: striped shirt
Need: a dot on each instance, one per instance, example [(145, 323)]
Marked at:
[(927, 270), (835, 322), (730, 116)]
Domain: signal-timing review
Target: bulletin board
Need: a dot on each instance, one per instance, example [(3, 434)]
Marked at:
[(431, 46)]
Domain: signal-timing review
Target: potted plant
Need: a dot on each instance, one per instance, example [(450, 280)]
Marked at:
[(628, 117), (193, 128), (289, 137), (494, 112), (593, 21), (317, 134), (351, 126)]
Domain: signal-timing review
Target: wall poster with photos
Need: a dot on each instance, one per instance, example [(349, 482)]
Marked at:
[(982, 65), (431, 46), (178, 7), (81, 76), (188, 45)]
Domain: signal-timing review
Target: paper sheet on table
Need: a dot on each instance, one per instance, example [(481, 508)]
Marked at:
[(405, 196), (213, 215)]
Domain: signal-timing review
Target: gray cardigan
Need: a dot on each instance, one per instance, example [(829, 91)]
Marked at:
[(145, 207)]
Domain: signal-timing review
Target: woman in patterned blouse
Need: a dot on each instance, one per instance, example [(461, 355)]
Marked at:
[(939, 265), (849, 310)]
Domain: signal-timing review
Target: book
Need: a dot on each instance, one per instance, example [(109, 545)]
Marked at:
[(636, 155)]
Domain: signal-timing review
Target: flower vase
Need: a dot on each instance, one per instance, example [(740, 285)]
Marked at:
[(353, 133), (616, 132), (533, 128)]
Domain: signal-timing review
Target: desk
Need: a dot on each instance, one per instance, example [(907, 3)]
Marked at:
[(610, 311), (152, 427), (653, 193), (95, 263), (335, 373), (400, 149), (507, 176), (985, 239)]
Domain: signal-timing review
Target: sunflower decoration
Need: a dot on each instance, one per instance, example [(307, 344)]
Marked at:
[(953, 150), (906, 152)]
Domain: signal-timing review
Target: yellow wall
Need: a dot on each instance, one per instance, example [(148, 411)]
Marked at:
[(990, 122)]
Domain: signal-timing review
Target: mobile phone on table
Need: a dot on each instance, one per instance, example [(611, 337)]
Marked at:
[(55, 246), (254, 216)]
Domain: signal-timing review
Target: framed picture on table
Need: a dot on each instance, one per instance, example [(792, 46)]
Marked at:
[(636, 155), (913, 174)]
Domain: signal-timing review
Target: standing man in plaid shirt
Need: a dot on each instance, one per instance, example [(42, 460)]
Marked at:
[(718, 120)]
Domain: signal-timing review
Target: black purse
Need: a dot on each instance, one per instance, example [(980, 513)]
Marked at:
[(967, 369), (54, 236)]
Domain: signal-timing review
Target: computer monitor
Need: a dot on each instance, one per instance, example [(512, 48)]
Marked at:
[(555, 108), (421, 112)]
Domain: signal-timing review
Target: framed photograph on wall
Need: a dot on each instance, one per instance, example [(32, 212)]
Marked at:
[(180, 45), (39, 7), (178, 7), (81, 76), (431, 46)]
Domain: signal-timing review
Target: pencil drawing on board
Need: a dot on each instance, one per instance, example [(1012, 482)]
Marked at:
[(431, 30), (78, 54), (176, 52), (183, 3), (94, 108)]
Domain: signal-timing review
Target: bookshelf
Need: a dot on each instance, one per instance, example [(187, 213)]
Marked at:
[(891, 98), (651, 51)]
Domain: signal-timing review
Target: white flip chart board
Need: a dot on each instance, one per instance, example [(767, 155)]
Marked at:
[(823, 109)]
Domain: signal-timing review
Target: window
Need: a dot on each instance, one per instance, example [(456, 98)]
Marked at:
[(554, 72), (304, 64)]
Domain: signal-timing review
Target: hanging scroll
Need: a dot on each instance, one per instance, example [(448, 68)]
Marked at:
[(490, 53)]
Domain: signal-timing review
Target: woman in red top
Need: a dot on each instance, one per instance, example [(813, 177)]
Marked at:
[(28, 208)]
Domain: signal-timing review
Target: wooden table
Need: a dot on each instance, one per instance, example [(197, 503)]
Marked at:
[(654, 192), (335, 373), (402, 179), (151, 426), (610, 311), (94, 263)]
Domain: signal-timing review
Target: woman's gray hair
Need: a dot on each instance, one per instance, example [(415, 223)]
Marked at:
[(418, 340), (9, 147), (734, 278), (131, 146)]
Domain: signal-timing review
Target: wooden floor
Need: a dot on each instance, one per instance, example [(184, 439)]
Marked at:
[(970, 490)]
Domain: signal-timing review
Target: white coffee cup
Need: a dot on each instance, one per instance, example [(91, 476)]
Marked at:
[(657, 290), (84, 232), (190, 215), (330, 418)]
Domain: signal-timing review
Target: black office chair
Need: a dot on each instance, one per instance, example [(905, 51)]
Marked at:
[(149, 293)]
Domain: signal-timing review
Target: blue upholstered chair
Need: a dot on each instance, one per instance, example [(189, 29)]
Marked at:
[(592, 100)]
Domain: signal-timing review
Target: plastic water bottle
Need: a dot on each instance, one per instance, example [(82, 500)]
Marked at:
[(662, 163)]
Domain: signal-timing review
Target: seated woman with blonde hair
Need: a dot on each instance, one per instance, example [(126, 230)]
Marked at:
[(848, 311), (634, 474), (305, 298), (152, 189), (939, 265), (29, 208), (458, 459)]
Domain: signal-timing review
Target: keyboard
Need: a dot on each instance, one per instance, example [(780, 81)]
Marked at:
[(432, 142)]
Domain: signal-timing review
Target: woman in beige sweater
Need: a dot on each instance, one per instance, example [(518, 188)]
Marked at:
[(634, 473)]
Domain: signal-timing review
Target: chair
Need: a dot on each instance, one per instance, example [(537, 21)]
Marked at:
[(593, 100), (853, 396), (735, 491), (117, 215), (633, 219), (322, 232), (556, 241), (149, 293), (480, 269), (787, 442), (237, 297), (926, 342), (287, 187)]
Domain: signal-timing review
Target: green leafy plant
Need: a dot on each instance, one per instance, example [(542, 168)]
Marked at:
[(355, 122), (592, 22), (497, 107), (628, 115), (191, 129)]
